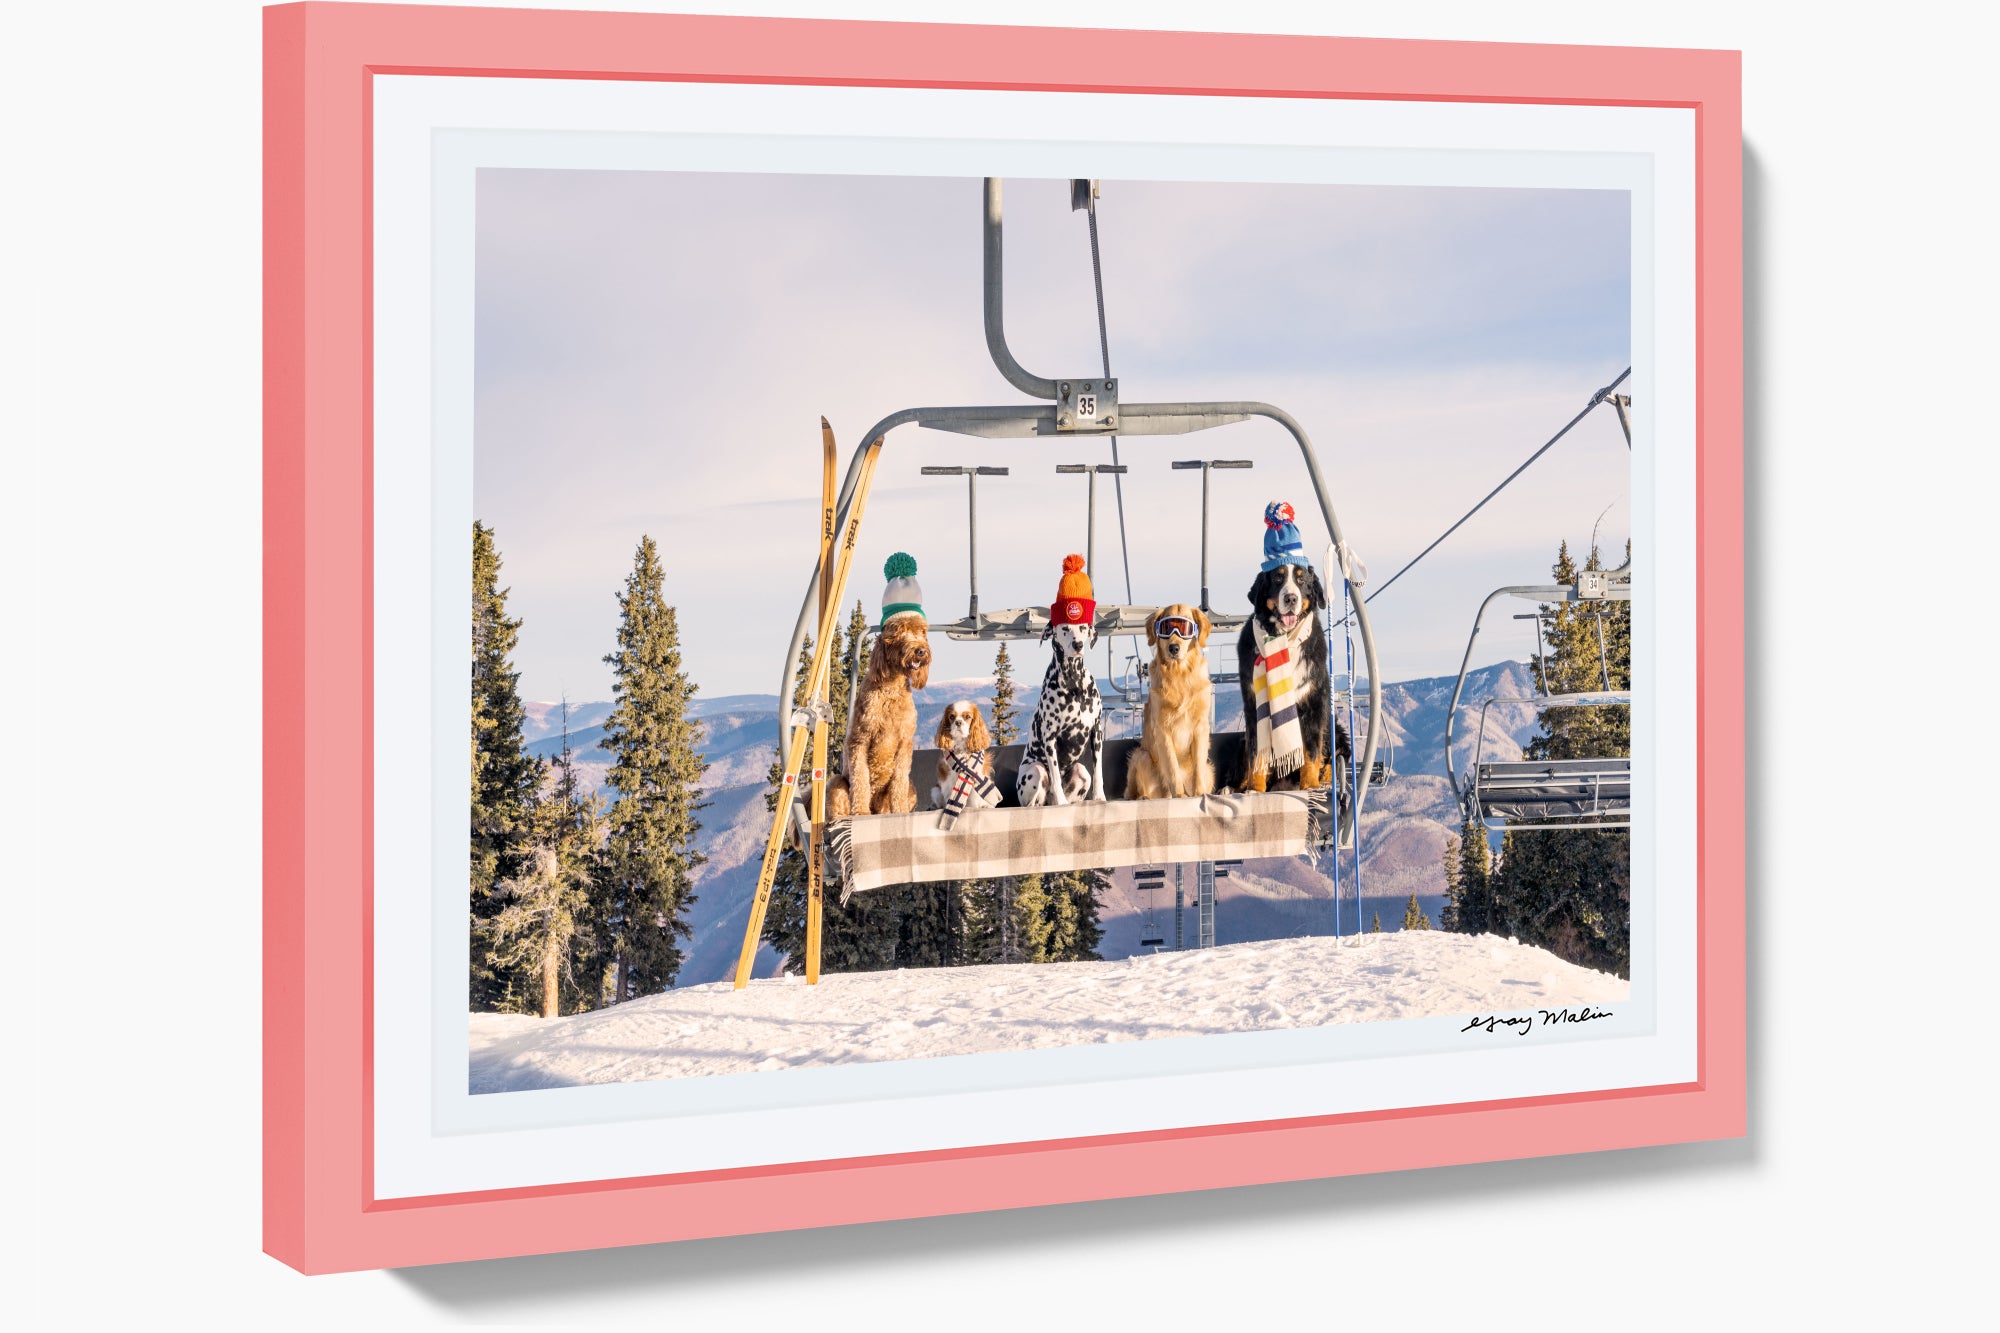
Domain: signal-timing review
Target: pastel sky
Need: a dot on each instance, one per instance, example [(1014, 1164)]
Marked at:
[(655, 350)]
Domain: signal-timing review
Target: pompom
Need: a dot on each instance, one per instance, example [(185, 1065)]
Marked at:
[(1072, 564), (901, 565)]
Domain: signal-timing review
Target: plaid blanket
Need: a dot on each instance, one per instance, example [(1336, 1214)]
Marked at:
[(879, 850)]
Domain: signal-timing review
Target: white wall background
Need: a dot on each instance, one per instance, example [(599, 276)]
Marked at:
[(131, 493)]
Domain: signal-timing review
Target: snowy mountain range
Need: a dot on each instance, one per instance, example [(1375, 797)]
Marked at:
[(1403, 828)]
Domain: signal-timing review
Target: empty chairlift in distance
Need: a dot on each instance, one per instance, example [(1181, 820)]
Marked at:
[(1149, 882), (1593, 792)]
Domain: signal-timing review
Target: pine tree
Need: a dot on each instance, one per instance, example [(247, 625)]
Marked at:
[(990, 927), (1468, 872), (1376, 929), (840, 688), (997, 937), (1475, 873), (1021, 920), (975, 933), (1089, 933), (544, 923), (536, 920), (1074, 932), (1573, 661), (1004, 708), (1569, 890), (1453, 885), (1413, 916), (504, 776), (650, 856), (1030, 919), (925, 924), (577, 818)]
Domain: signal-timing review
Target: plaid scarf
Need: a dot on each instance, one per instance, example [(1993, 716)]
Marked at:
[(970, 789), (1278, 732), (870, 852)]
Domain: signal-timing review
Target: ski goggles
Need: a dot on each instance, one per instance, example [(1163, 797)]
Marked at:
[(1175, 627)]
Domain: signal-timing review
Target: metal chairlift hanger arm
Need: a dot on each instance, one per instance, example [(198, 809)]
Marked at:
[(1028, 420)]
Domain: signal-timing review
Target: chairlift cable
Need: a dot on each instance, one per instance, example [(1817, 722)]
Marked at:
[(1104, 346), (1600, 396)]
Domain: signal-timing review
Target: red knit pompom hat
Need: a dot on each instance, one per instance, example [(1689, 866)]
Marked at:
[(1073, 604)]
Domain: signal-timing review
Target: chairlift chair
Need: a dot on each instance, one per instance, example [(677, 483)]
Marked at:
[(1086, 405), (1592, 793), (1148, 882)]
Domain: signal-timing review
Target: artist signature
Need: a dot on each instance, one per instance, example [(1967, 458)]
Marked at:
[(1522, 1024)]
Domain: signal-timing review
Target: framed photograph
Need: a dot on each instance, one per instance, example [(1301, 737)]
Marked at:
[(872, 620)]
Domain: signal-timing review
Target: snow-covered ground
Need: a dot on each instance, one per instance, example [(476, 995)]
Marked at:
[(908, 1015)]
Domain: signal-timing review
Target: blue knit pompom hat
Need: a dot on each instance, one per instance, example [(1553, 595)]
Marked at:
[(1281, 537), (902, 596)]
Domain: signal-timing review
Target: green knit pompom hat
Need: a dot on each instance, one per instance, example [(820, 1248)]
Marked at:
[(902, 597)]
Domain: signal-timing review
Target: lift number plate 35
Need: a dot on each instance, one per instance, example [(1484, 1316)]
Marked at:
[(1087, 405)]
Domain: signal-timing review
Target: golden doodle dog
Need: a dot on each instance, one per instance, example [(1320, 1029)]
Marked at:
[(1172, 756), (882, 729), (961, 731)]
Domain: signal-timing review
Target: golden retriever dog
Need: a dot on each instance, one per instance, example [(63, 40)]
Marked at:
[(882, 730), (1172, 757), (961, 731)]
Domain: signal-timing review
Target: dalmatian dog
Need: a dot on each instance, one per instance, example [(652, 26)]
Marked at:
[(1064, 761)]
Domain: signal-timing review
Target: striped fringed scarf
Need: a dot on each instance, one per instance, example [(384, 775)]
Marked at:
[(971, 789), (1278, 732)]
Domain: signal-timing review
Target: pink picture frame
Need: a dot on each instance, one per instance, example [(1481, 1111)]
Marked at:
[(321, 64)]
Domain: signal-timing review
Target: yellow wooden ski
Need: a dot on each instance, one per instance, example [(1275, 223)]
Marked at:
[(795, 753), (829, 502)]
